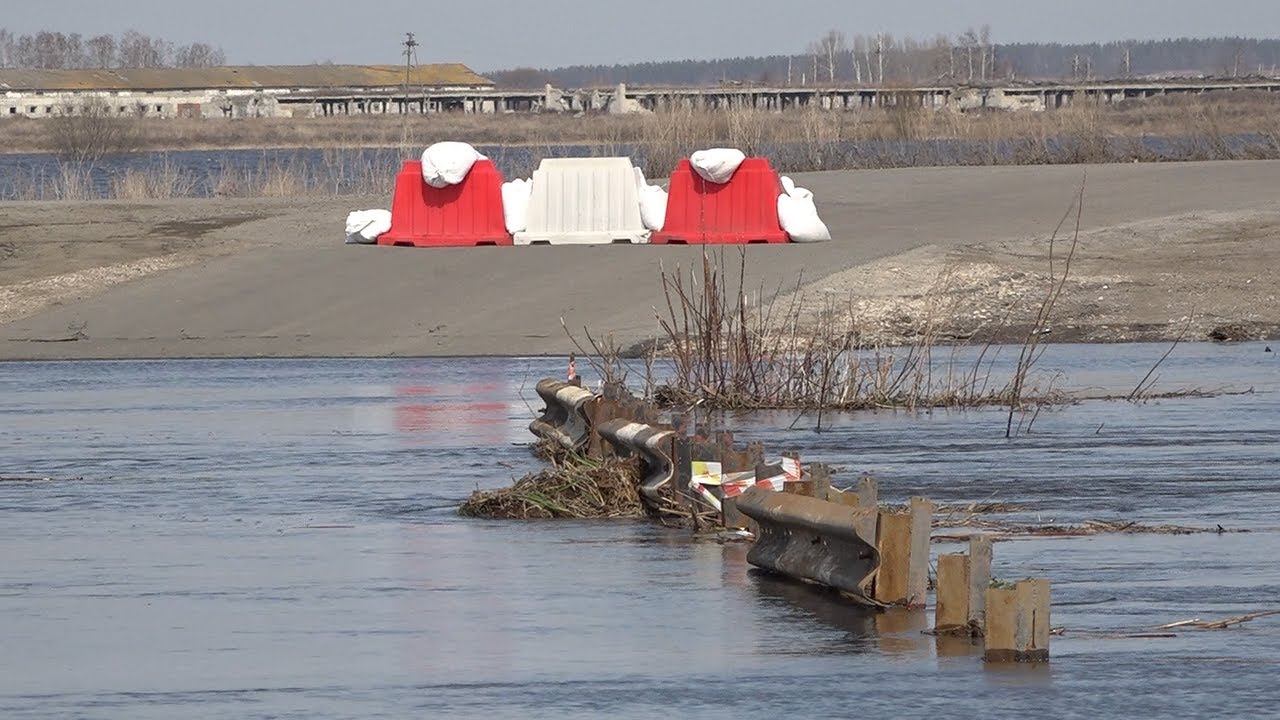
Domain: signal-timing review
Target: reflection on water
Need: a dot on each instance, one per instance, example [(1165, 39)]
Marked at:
[(244, 539)]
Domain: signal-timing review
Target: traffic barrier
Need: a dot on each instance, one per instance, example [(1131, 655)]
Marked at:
[(584, 201), (565, 418), (743, 210), (809, 539), (466, 214), (653, 445)]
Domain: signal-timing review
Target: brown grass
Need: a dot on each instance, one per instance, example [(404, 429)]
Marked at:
[(574, 487)]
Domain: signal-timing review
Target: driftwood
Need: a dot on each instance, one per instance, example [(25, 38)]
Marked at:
[(1220, 624)]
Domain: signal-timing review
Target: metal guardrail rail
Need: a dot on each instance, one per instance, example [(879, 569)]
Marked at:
[(811, 539)]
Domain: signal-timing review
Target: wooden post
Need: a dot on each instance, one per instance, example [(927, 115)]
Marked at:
[(979, 582), (1018, 623), (893, 539), (952, 612), (921, 537)]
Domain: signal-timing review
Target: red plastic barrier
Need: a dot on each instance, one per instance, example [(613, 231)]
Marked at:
[(743, 210), (469, 213)]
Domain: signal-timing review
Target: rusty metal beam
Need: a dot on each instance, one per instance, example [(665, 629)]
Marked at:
[(810, 539)]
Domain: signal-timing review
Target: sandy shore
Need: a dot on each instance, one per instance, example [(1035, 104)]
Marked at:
[(1161, 246)]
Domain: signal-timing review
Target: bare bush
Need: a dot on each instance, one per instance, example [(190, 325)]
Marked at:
[(90, 131)]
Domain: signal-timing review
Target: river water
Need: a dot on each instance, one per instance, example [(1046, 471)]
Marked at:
[(278, 539)]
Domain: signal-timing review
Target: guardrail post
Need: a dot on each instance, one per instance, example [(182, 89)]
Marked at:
[(868, 492), (820, 476), (893, 538), (921, 537), (1018, 623), (903, 541), (952, 611), (979, 581)]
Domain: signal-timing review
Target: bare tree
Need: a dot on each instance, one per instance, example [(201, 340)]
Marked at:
[(884, 43), (984, 40), (100, 51), (829, 50), (143, 51), (859, 50), (970, 43), (6, 48), (944, 60), (199, 55)]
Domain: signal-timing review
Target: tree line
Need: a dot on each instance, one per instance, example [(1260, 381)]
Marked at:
[(971, 57), (47, 50)]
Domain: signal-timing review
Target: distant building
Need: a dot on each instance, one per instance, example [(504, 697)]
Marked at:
[(241, 92)]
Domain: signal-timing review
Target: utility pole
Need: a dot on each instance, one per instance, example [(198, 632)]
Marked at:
[(410, 59)]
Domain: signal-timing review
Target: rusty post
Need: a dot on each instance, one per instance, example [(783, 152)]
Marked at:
[(979, 581), (952, 611), (1018, 623)]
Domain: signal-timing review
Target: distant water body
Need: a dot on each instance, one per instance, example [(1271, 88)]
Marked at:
[(348, 171)]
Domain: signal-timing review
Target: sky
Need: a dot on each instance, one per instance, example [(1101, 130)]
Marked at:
[(493, 34)]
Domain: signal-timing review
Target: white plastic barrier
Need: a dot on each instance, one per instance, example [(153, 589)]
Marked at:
[(364, 226), (584, 201)]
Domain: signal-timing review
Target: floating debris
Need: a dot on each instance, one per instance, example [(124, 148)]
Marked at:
[(574, 487)]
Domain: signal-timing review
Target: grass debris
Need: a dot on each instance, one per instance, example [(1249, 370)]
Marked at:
[(574, 487)]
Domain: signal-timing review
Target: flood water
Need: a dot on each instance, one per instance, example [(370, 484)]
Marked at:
[(278, 539)]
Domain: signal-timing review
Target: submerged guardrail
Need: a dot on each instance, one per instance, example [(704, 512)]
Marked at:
[(564, 420), (650, 443), (811, 539)]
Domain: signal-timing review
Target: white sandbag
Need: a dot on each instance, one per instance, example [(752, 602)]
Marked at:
[(364, 226), (515, 204), (717, 165), (788, 185), (798, 215), (447, 163), (653, 203)]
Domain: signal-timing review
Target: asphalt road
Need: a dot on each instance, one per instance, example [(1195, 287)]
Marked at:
[(291, 288)]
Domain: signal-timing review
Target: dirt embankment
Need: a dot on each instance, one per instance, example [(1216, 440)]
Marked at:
[(1209, 275)]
